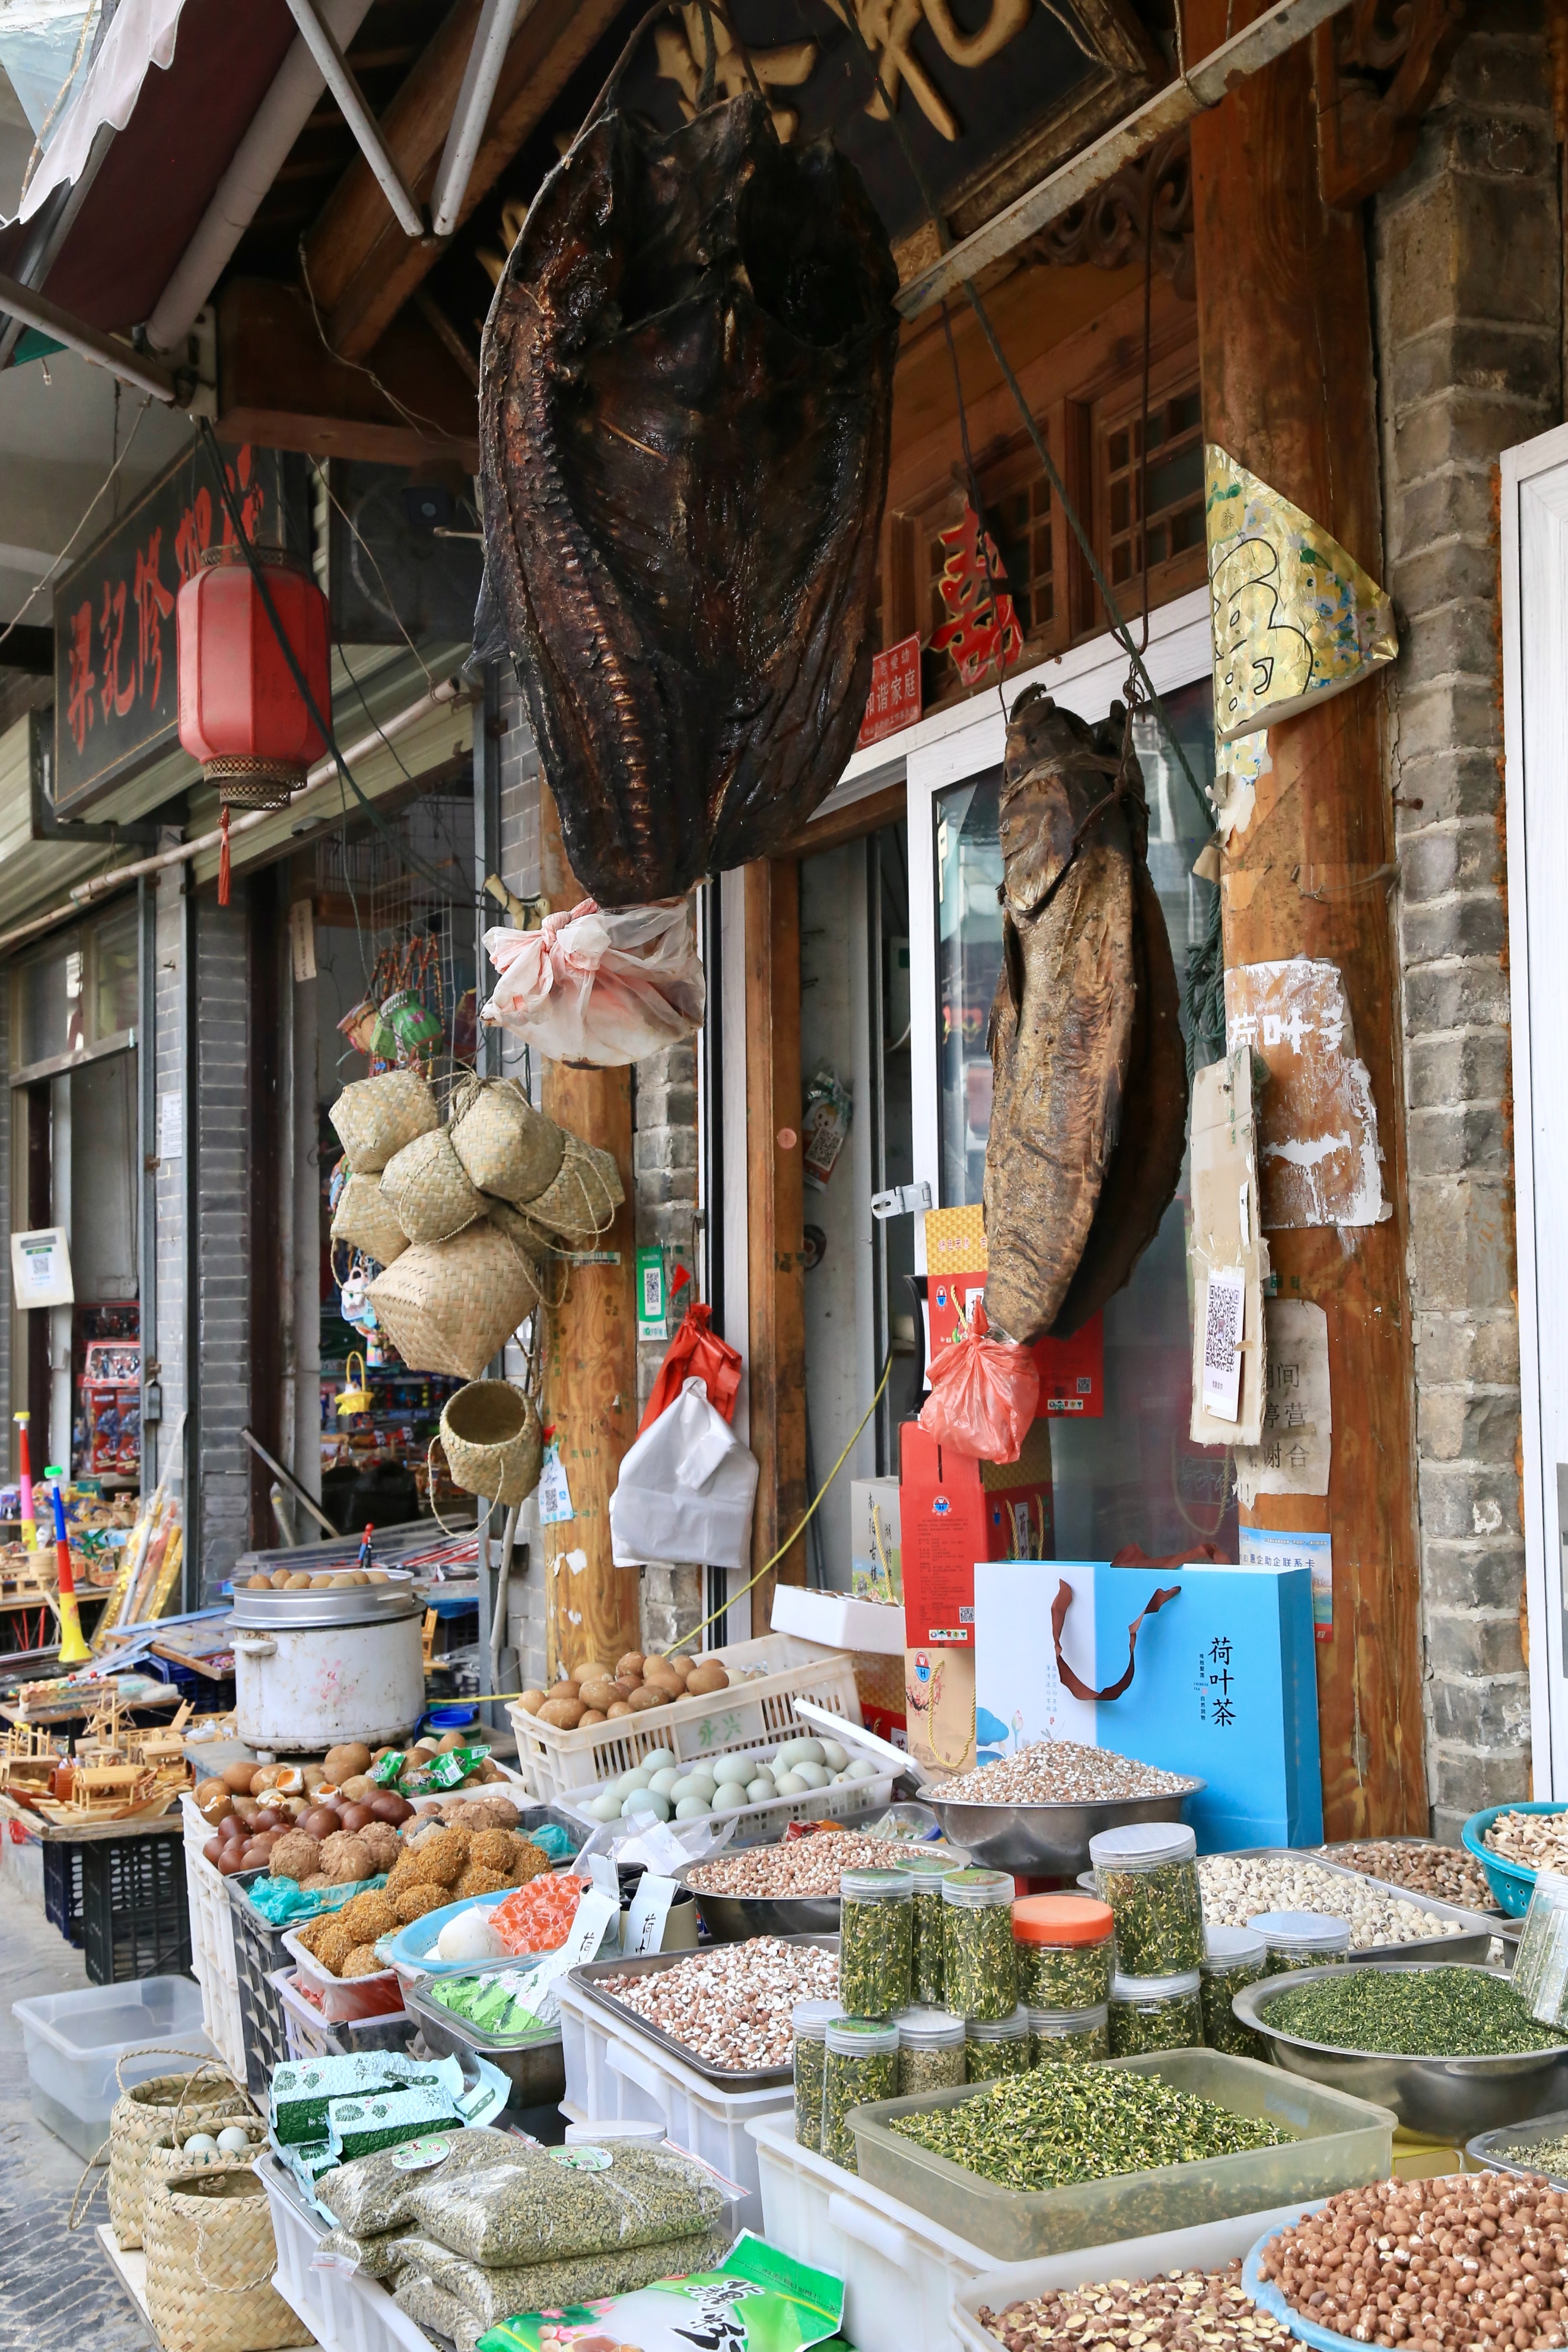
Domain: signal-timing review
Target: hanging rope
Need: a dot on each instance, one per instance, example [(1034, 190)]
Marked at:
[(224, 855)]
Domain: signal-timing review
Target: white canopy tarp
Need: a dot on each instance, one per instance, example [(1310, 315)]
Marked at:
[(141, 36)]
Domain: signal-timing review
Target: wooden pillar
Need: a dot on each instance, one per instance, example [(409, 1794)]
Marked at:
[(591, 1364), (1285, 338), (775, 1216)]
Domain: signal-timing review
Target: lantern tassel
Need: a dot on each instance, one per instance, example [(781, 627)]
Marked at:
[(224, 857)]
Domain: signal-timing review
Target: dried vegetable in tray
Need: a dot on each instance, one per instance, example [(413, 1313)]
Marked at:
[(538, 1916), (1057, 2125)]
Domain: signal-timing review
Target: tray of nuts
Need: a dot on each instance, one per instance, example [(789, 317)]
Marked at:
[(1419, 1866), (1386, 1922), (724, 2012)]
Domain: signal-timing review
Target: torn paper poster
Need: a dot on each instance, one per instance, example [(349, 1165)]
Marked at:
[(1292, 1456), (1296, 619), (1238, 768), (1278, 1548), (1318, 1155), (1229, 1256)]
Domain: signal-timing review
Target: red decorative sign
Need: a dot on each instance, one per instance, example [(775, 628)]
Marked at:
[(894, 701), (978, 637)]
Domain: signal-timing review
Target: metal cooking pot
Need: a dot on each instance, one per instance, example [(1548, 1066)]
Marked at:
[(306, 1679)]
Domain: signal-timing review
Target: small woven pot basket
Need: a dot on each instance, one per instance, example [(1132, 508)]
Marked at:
[(376, 1118), (211, 2254), (447, 1307), (148, 2115), (581, 1203), (494, 1445), (366, 1220), (508, 1146), (425, 1187)]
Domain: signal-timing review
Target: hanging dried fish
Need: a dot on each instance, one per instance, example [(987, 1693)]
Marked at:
[(685, 410), (1089, 1114)]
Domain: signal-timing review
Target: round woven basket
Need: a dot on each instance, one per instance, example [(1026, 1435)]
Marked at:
[(493, 1443), (581, 1203), (148, 2116), (376, 1118), (211, 2254), (508, 1146), (427, 1190), (366, 1220), (447, 1307)]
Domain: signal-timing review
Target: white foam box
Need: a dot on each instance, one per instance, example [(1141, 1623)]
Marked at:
[(837, 1621)]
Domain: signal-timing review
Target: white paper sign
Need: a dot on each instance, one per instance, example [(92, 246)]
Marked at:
[(1296, 1447), (41, 1268), (1277, 1547), (605, 1876), (644, 1929), (170, 1126), (302, 939), (1222, 1337), (596, 1912), (555, 1494)]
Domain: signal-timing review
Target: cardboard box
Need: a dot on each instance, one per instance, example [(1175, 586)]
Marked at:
[(954, 1511), (875, 1565), (939, 1707)]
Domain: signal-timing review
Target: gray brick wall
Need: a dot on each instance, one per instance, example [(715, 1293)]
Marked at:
[(222, 1269), (1467, 262)]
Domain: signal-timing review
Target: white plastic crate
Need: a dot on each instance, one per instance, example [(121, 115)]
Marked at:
[(748, 1714), (342, 2311), (765, 1825), (911, 2285), (212, 1942), (614, 2074)]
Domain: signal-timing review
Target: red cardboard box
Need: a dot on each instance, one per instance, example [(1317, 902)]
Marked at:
[(954, 1511)]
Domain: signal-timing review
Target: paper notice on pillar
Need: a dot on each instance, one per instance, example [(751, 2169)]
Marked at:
[(41, 1268), (302, 939), (1295, 618), (1277, 1547), (1318, 1158), (1293, 1454), (1229, 1259), (555, 1494), (1238, 768)]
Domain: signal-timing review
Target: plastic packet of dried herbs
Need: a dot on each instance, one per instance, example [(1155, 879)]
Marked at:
[(876, 1929), (565, 2202), (374, 2193), (432, 2308), (377, 2258), (1147, 1873), (491, 2293)]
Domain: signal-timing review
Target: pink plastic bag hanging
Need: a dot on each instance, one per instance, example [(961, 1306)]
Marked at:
[(600, 985), (983, 1395)]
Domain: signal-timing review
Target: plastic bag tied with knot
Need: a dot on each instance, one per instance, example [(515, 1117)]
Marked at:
[(600, 985), (983, 1395)]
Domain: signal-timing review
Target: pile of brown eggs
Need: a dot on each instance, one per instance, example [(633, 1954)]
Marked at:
[(252, 1806)]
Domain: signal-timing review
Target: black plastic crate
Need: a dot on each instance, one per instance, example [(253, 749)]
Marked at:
[(258, 1953), (62, 1889), (136, 1917)]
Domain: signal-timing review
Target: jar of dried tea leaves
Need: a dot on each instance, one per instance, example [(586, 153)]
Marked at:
[(927, 1969), (1061, 2037), (862, 2065), (876, 1928), (978, 1943), (809, 2022), (1232, 1956), (1155, 2013), (1301, 1940), (1147, 1873), (998, 2045), (930, 2051), (1066, 1948)]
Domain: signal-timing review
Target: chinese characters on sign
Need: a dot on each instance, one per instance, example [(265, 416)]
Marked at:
[(1294, 1454), (983, 633), (894, 702), (1318, 1161), (1216, 1684), (1287, 1548)]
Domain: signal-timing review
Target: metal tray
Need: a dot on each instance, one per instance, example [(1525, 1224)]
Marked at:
[(1344, 1845), (1045, 1840), (536, 2069), (327, 1605), (589, 1978), (1471, 1947)]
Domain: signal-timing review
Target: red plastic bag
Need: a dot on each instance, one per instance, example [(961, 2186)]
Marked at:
[(696, 1353), (983, 1395)]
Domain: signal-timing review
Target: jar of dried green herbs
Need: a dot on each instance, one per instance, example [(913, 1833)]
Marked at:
[(860, 2064), (809, 2022), (978, 1943), (1232, 1956), (928, 1973), (1065, 1949), (1065, 2037), (1301, 1940), (930, 2051), (1155, 2013), (876, 1926), (1147, 1873), (999, 2046)]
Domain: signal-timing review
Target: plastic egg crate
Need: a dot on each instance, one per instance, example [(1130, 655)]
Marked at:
[(761, 1791)]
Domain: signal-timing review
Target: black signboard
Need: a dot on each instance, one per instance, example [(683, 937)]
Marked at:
[(116, 680)]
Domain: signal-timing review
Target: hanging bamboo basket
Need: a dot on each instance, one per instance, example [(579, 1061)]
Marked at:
[(493, 1443), (508, 1146), (376, 1118), (366, 1220), (428, 1191), (448, 1306)]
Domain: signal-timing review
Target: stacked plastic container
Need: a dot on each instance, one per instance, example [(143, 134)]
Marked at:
[(1065, 1947)]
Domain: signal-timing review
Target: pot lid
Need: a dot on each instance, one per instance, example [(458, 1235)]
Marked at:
[(272, 1611)]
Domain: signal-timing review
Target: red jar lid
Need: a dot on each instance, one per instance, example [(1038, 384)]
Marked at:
[(1062, 1919)]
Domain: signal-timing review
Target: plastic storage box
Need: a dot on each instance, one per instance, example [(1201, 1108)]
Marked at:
[(765, 1825), (342, 2311), (74, 2041), (212, 1942), (309, 2035), (1340, 2143), (62, 1889)]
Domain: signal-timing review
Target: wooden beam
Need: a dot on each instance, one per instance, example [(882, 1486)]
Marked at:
[(280, 387), (362, 268), (776, 1217), (1285, 335), (591, 1361)]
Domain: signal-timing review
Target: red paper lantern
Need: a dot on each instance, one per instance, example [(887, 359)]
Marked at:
[(241, 713)]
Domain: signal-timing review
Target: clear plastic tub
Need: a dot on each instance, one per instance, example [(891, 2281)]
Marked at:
[(932, 2050), (1339, 2143), (1233, 1958), (74, 2041), (344, 1997), (1066, 1948), (809, 2022), (1068, 2037), (1148, 2014)]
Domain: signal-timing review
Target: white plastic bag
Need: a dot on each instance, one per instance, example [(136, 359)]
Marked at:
[(685, 1489), (604, 985)]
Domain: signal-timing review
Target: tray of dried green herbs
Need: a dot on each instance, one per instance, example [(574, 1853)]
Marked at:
[(1404, 2012)]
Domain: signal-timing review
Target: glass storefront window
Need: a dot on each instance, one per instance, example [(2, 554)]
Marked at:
[(79, 990), (1134, 1476), (115, 975)]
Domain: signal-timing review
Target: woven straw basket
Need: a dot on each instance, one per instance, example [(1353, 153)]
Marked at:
[(581, 1203), (211, 2254), (494, 1445), (377, 1117), (148, 2115), (426, 1189), (366, 1220), (507, 1146), (447, 1307)]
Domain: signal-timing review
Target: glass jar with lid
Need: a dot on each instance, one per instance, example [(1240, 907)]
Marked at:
[(876, 1926), (1147, 1873), (1059, 2037), (1540, 1965), (978, 1954), (860, 2064), (927, 1968), (1155, 2013), (1066, 1948), (809, 2022), (1301, 1940), (999, 2046), (930, 2051), (1232, 1958)]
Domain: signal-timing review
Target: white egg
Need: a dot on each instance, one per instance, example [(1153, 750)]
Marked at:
[(663, 1781), (784, 1755), (645, 1804), (201, 2144), (809, 1752), (834, 1755), (815, 1776), (659, 1759), (232, 2141), (734, 1770), (759, 1792), (637, 1778), (608, 1807), (469, 1937), (693, 1809), (863, 1769), (789, 1784), (702, 1772), (729, 1799)]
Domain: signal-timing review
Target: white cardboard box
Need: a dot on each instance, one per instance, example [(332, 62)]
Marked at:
[(839, 1620)]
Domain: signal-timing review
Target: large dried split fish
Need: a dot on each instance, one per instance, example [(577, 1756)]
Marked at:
[(685, 411), (1089, 1113)]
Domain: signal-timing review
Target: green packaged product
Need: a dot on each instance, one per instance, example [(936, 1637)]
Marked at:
[(932, 2047), (566, 2201), (1232, 1958), (358, 2128), (374, 2194), (1069, 2037), (1147, 1873), (980, 1966), (929, 1974), (860, 2065), (490, 2294), (876, 1923), (756, 2299), (303, 2089), (996, 2047), (495, 2005), (1155, 2013), (809, 2022)]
